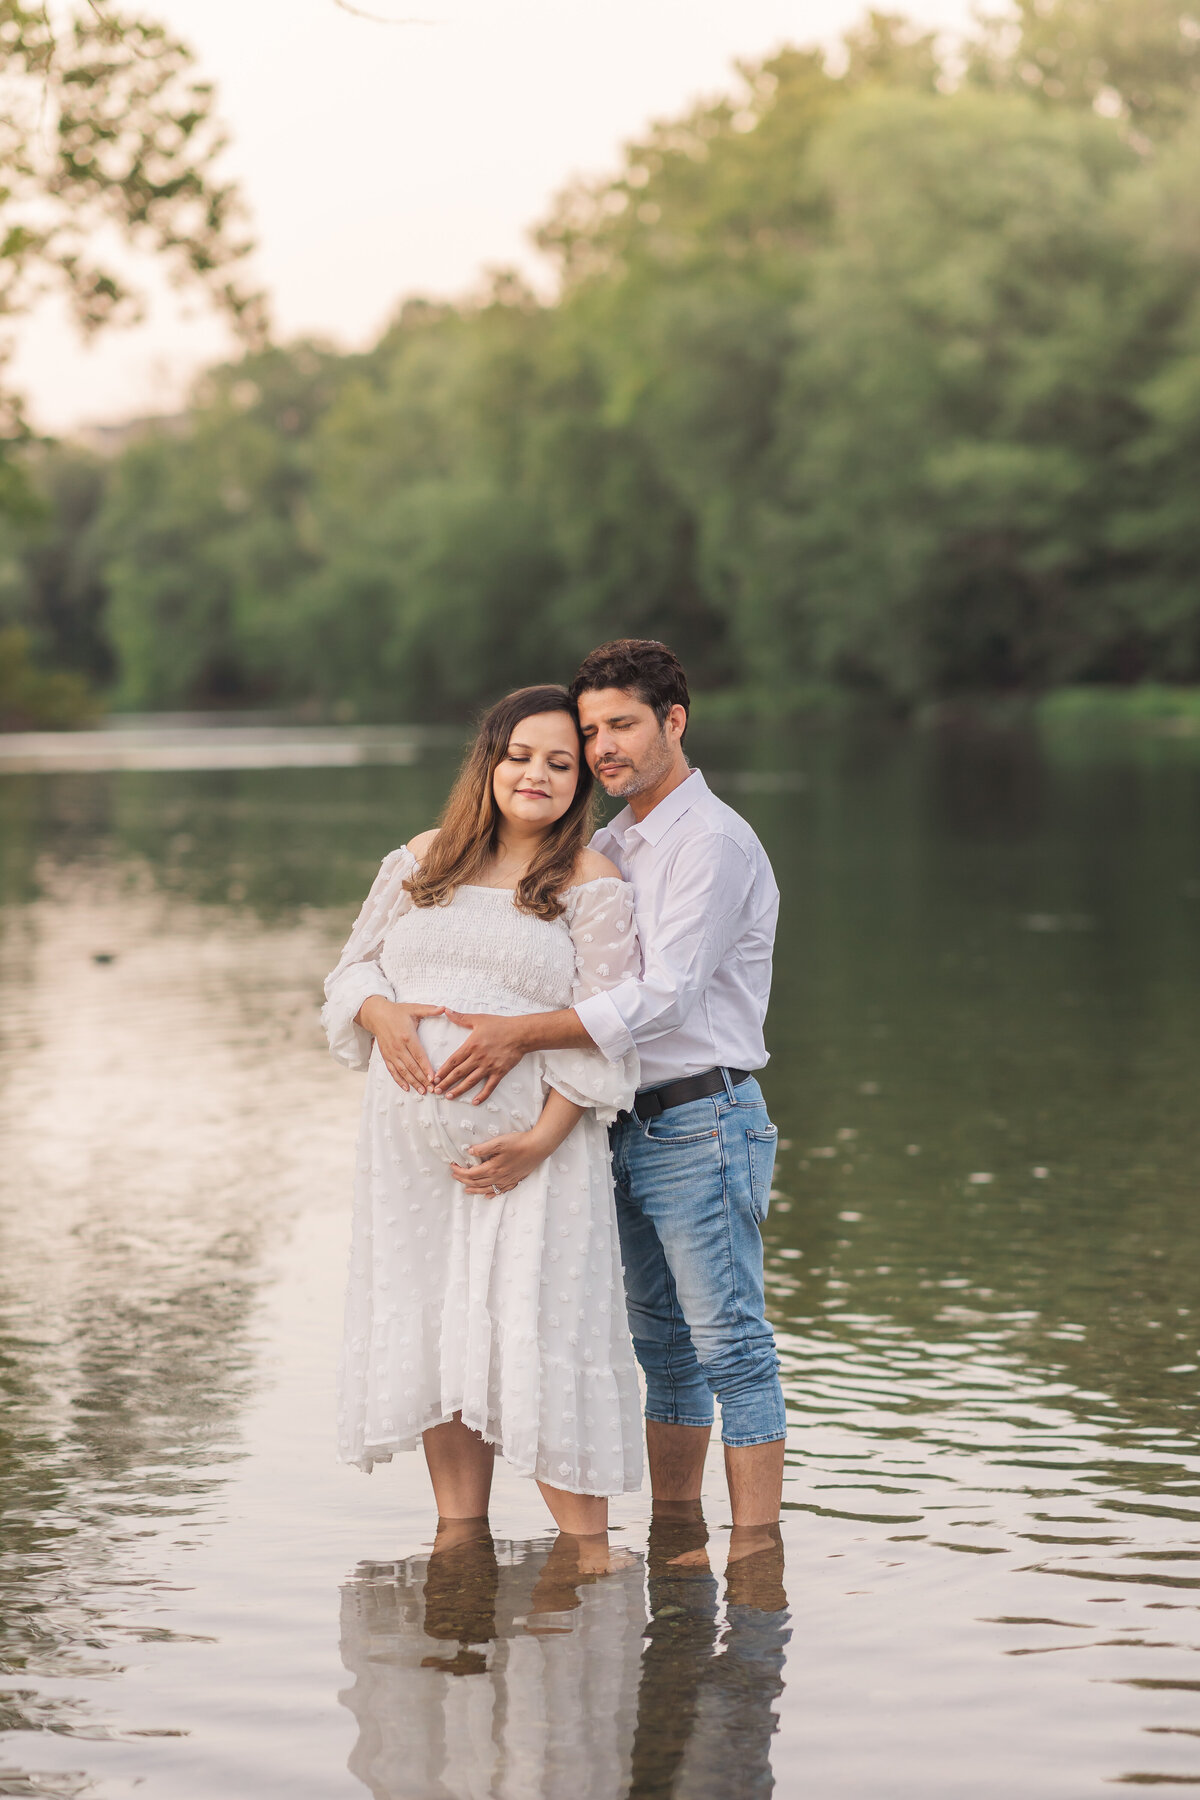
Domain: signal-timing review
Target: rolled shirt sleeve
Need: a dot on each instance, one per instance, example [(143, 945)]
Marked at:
[(708, 881)]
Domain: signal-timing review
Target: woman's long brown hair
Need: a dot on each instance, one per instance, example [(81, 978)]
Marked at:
[(469, 827)]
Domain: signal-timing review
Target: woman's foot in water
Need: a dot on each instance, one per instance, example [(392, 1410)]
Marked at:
[(461, 1584), (574, 1562), (451, 1533)]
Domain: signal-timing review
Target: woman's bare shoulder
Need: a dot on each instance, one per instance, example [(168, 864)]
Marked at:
[(419, 845), (594, 867)]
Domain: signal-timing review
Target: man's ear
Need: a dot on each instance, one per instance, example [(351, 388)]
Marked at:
[(677, 720)]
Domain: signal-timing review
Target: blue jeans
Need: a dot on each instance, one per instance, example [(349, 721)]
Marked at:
[(692, 1189)]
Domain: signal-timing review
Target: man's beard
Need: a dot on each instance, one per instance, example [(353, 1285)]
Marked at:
[(632, 782), (635, 781)]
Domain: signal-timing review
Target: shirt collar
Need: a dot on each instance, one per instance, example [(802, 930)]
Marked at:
[(659, 820)]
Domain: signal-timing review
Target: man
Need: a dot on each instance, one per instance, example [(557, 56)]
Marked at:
[(693, 1162)]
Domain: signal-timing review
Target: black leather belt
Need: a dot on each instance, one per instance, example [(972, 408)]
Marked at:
[(692, 1087)]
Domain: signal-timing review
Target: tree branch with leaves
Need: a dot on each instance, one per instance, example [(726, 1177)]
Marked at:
[(108, 135)]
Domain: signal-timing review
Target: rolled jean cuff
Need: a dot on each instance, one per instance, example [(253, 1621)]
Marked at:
[(657, 1418), (757, 1417)]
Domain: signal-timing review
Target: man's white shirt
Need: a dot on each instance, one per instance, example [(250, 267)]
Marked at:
[(706, 904)]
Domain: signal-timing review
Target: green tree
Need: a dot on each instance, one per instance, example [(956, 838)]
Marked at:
[(481, 518), (955, 403), (206, 535), (680, 278), (108, 140), (1135, 60), (849, 378), (56, 588), (106, 127), (36, 699), (434, 566), (1154, 528)]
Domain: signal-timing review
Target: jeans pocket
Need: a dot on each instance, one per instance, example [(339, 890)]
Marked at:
[(678, 1140), (761, 1147), (695, 1122)]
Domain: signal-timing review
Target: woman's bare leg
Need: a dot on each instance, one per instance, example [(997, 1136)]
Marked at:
[(581, 1515), (460, 1467)]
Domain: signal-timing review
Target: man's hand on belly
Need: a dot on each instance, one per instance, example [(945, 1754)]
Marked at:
[(493, 1047)]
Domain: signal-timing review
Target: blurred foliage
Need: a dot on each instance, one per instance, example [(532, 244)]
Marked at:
[(207, 535), (108, 143), (52, 580), (107, 134), (880, 373), (38, 699), (1175, 709), (1134, 60)]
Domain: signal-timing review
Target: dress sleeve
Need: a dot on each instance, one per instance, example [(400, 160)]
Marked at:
[(604, 932), (358, 974)]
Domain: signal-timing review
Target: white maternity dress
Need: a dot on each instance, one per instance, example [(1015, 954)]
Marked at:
[(509, 1310)]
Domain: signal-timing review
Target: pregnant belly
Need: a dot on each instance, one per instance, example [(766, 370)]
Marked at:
[(450, 1127)]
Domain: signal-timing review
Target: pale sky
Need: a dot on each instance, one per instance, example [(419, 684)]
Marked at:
[(384, 160)]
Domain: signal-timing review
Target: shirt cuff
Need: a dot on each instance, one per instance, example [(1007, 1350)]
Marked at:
[(604, 1025)]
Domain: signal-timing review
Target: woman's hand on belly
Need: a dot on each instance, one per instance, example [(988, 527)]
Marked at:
[(506, 1161), (394, 1028)]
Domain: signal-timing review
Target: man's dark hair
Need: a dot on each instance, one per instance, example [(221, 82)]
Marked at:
[(640, 666)]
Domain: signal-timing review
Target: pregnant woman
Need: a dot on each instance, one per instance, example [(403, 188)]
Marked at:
[(486, 1309)]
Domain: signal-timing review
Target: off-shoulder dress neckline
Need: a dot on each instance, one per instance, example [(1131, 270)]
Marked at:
[(482, 887), (576, 887)]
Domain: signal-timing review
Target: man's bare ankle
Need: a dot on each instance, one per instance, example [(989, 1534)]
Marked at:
[(671, 1512), (748, 1540)]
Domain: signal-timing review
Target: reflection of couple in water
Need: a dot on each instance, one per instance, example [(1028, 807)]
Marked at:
[(512, 990), (581, 1687)]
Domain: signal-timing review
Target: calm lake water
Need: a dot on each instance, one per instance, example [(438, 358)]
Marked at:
[(982, 1255)]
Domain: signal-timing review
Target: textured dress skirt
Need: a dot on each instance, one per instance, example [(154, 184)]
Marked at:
[(509, 1310)]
